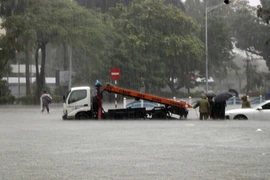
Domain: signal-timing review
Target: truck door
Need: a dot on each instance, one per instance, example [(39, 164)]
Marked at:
[(77, 101)]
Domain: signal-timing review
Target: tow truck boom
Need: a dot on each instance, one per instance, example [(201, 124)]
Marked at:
[(111, 88)]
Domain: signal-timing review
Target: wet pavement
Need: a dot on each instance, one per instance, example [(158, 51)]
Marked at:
[(37, 145)]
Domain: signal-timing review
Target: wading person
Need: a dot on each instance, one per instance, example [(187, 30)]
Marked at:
[(97, 101), (245, 102), (45, 100), (204, 107)]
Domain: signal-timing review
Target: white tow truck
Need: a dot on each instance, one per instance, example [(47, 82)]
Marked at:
[(78, 105)]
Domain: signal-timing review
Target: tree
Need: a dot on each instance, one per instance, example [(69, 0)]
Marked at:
[(220, 44), (264, 13), (11, 8), (105, 5), (249, 35), (157, 44), (55, 22)]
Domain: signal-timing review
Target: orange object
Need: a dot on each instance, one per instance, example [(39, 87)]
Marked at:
[(148, 97)]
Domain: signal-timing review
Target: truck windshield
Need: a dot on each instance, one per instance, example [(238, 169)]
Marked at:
[(77, 95)]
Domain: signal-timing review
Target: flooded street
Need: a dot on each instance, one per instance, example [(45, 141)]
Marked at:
[(43, 146)]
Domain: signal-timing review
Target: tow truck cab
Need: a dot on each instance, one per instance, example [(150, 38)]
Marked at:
[(77, 103)]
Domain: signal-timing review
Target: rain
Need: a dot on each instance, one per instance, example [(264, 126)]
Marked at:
[(164, 89)]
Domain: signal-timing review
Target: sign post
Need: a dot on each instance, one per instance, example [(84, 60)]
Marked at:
[(115, 75)]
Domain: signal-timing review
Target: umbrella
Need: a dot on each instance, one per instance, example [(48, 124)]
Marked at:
[(223, 96), (234, 92), (210, 94)]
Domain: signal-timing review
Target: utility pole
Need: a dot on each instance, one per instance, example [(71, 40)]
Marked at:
[(208, 10)]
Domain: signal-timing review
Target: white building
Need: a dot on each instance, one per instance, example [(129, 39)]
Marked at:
[(17, 85)]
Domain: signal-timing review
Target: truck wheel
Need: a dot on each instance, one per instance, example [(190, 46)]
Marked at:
[(184, 116), (81, 116), (159, 115)]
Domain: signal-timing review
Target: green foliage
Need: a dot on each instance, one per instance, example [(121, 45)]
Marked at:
[(264, 11), (60, 91), (9, 99), (5, 96), (254, 32), (55, 22), (57, 98), (26, 100), (31, 99), (219, 32), (4, 90), (105, 5), (156, 43), (250, 35)]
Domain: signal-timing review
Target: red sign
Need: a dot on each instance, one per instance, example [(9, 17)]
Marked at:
[(115, 73)]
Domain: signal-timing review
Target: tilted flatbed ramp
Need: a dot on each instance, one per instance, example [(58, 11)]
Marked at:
[(111, 88)]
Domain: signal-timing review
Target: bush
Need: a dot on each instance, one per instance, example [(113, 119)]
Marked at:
[(57, 99), (7, 99), (5, 96), (4, 90), (29, 99)]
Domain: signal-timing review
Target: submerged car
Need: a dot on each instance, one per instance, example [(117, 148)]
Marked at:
[(259, 112), (146, 104), (182, 112)]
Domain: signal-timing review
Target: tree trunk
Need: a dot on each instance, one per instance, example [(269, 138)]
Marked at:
[(27, 63), (42, 68), (171, 86), (248, 77), (40, 77), (65, 47), (38, 89)]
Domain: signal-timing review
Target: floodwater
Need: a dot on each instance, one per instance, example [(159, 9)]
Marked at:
[(37, 145)]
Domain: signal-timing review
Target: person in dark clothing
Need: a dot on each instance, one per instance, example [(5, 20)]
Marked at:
[(211, 103), (222, 109), (219, 110), (96, 99), (45, 100)]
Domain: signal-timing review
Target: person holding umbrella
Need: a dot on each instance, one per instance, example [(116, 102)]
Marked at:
[(220, 104), (204, 107), (211, 103)]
